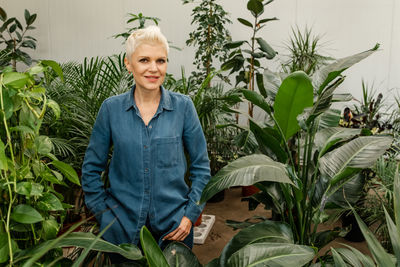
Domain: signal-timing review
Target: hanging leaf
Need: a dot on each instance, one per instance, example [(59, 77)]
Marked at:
[(245, 22), (43, 145), (15, 79), (294, 95), (55, 66), (50, 229), (49, 202), (265, 47), (55, 107), (7, 102), (26, 214), (247, 170), (67, 170)]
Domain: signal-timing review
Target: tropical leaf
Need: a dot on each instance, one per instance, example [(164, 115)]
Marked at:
[(339, 262), (266, 231), (177, 255), (358, 153), (382, 258), (152, 251), (271, 254), (328, 137), (246, 171), (328, 73), (354, 257), (26, 214), (294, 95)]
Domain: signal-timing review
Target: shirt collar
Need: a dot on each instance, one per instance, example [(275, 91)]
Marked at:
[(165, 101)]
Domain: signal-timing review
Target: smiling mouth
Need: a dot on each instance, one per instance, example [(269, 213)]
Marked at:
[(151, 78)]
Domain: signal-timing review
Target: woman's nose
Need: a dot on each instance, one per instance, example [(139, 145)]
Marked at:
[(153, 66)]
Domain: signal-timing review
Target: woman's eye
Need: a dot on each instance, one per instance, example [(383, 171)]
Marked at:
[(161, 61), (144, 60)]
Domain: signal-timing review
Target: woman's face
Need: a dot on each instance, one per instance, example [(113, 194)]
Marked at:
[(148, 64)]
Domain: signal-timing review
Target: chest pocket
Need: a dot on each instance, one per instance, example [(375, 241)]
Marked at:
[(167, 152)]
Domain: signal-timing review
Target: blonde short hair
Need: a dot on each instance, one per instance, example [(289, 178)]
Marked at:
[(151, 34)]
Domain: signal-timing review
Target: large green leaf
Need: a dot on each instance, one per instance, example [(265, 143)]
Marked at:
[(43, 145), (266, 231), (152, 251), (177, 255), (329, 118), (67, 170), (266, 48), (246, 171), (339, 261), (382, 258), (29, 189), (26, 214), (50, 229), (271, 254), (255, 7), (15, 79), (85, 240), (328, 73), (266, 140), (355, 257), (358, 154), (257, 100), (49, 202), (294, 95), (328, 137)]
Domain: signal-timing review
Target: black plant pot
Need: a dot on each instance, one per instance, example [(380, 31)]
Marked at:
[(355, 234)]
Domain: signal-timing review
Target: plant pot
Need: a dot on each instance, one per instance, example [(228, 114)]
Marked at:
[(355, 234), (249, 190), (198, 221)]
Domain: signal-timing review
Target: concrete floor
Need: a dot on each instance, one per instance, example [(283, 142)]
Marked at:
[(231, 208)]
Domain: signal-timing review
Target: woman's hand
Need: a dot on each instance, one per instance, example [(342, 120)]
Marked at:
[(180, 233)]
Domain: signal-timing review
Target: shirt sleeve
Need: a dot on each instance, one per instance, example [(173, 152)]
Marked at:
[(95, 163), (195, 144)]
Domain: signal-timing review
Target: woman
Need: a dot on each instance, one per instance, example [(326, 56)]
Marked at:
[(149, 129)]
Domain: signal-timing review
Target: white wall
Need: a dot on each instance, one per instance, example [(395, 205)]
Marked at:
[(74, 29)]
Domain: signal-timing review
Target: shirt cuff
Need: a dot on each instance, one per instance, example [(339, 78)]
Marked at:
[(193, 211)]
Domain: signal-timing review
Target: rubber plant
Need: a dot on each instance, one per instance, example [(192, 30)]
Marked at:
[(246, 55), (306, 158)]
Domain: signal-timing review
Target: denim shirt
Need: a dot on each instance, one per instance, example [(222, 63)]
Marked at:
[(147, 168)]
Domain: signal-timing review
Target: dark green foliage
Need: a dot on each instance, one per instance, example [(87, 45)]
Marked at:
[(14, 40), (140, 19), (208, 37)]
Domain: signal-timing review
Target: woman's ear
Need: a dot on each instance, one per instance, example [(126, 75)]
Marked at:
[(127, 64)]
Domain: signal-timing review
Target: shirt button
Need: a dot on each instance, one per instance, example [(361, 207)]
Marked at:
[(150, 127), (146, 170)]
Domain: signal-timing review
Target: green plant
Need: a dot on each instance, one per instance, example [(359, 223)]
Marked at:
[(248, 61), (208, 37), (352, 257), (310, 158), (133, 18), (304, 52), (13, 35), (30, 210)]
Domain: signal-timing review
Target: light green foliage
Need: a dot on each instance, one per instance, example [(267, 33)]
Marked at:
[(30, 209)]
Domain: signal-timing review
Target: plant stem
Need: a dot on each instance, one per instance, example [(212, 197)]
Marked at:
[(6, 176)]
